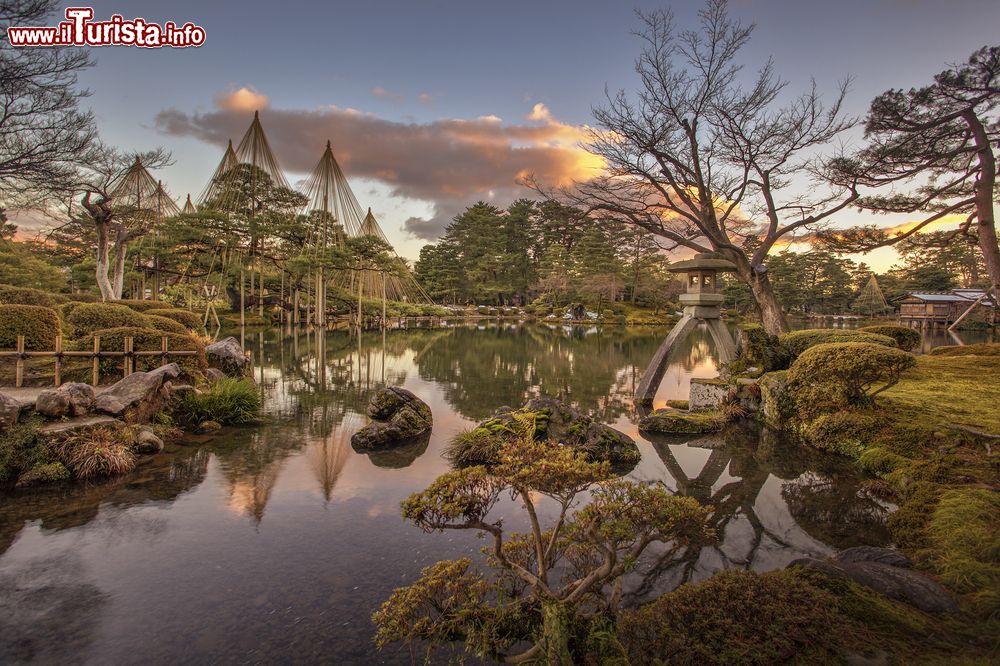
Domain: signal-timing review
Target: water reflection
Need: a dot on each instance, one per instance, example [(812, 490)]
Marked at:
[(288, 524)]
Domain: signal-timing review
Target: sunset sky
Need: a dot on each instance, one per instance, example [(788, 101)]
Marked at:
[(431, 105)]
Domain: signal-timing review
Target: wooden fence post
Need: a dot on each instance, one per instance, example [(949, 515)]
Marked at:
[(96, 365), (57, 379), (128, 356), (19, 372), (163, 351)]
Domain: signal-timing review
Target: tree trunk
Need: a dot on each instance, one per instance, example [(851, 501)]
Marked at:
[(556, 626), (101, 272), (772, 318), (118, 278), (986, 224)]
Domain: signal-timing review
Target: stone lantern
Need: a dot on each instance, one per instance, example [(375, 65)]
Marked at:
[(701, 303)]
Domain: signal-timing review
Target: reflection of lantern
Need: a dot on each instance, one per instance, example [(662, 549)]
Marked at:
[(701, 304)]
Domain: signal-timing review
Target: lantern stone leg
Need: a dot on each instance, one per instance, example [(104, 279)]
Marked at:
[(701, 305)]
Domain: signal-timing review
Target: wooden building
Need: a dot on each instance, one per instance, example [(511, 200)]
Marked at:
[(939, 309)]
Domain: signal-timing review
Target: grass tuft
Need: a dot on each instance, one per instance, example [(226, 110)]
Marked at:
[(229, 401)]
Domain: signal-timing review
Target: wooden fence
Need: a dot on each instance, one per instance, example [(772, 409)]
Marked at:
[(128, 354)]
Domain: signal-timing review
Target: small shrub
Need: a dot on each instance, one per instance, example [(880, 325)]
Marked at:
[(89, 317), (474, 446), (842, 374), (981, 349), (906, 339), (39, 325), (736, 617), (148, 339), (97, 452), (165, 324), (188, 320), (762, 350), (26, 296), (797, 342), (229, 401)]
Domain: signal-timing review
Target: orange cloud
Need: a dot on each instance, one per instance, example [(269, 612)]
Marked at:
[(381, 92), (242, 99)]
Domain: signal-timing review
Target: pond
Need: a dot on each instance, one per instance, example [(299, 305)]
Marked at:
[(277, 542)]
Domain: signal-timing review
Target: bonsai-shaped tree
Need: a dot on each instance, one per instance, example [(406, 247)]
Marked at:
[(552, 591)]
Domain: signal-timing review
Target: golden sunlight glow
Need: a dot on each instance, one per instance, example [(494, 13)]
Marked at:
[(243, 99)]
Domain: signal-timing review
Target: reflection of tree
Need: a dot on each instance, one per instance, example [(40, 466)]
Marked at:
[(823, 496), (327, 459), (252, 469)]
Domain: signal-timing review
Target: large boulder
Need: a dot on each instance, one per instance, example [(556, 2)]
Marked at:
[(228, 356), (398, 416), (10, 410), (71, 399), (139, 396), (887, 572), (555, 422)]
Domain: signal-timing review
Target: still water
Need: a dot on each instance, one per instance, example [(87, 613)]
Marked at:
[(276, 543)]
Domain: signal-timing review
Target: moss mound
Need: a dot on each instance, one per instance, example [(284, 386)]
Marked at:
[(761, 350), (38, 324), (675, 421), (906, 339), (736, 617), (89, 317), (797, 342), (981, 349)]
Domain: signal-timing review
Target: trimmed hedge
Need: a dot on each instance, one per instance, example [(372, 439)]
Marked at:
[(89, 317), (148, 339), (797, 342), (140, 305), (835, 375), (67, 308), (165, 324), (188, 320), (906, 339), (762, 350), (39, 326), (10, 295)]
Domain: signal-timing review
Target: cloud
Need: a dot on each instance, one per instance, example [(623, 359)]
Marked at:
[(449, 162), (242, 99), (424, 98), (381, 92), (540, 112)]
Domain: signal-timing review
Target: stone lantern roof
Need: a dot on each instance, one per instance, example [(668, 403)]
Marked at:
[(703, 261)]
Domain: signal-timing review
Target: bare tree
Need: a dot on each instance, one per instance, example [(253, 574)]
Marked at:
[(706, 163), (44, 135), (935, 147), (120, 202)]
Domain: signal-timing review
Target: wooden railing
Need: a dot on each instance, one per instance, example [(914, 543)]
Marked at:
[(128, 354)]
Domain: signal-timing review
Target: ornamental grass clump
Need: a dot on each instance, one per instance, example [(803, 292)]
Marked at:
[(527, 609), (97, 452), (837, 375), (229, 401)]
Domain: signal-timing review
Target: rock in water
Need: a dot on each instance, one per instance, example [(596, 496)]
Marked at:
[(555, 422), (876, 568), (71, 399), (677, 421), (147, 442), (227, 356), (10, 409), (397, 416), (138, 396)]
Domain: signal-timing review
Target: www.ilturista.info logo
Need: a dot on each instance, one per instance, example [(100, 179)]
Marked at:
[(79, 30)]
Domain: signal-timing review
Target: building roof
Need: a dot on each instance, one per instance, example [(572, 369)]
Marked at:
[(939, 297)]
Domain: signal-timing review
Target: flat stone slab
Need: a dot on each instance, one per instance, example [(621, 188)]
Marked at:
[(57, 427), (26, 395)]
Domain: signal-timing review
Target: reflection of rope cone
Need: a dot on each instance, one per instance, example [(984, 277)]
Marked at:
[(328, 457)]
